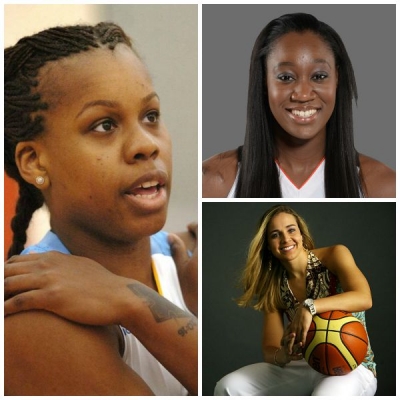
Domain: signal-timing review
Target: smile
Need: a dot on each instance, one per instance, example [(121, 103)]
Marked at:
[(304, 114), (287, 248)]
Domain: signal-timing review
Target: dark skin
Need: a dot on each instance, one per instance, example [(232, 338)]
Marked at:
[(219, 173), (105, 157), (302, 81)]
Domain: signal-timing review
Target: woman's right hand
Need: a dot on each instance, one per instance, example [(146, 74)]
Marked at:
[(290, 350)]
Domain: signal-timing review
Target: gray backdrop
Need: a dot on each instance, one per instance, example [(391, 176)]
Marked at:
[(369, 34), (232, 335)]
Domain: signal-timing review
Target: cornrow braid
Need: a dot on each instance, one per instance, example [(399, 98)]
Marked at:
[(22, 63)]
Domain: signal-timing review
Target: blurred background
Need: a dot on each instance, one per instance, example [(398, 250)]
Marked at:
[(166, 38)]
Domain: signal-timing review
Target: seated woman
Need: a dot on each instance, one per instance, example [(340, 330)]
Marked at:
[(299, 135), (285, 276), (112, 315)]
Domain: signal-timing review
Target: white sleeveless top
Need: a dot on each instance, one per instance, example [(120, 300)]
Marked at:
[(313, 187)]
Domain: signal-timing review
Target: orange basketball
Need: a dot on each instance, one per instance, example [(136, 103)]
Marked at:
[(336, 343)]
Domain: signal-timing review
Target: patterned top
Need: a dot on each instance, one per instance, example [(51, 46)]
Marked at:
[(320, 282)]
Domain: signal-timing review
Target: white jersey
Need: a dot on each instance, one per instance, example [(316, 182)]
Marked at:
[(313, 187)]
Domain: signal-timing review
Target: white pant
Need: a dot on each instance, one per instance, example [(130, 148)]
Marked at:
[(295, 379)]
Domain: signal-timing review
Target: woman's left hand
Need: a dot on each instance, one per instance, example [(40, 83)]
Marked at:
[(187, 267), (300, 324)]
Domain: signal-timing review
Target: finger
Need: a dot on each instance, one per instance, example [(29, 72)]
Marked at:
[(292, 338), (23, 257), (193, 228), (23, 302), (178, 250), (21, 283), (18, 268)]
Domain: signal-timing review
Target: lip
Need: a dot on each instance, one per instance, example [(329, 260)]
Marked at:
[(155, 181), (303, 120), (287, 248)]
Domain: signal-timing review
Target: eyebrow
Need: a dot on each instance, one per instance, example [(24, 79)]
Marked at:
[(111, 103), (291, 64)]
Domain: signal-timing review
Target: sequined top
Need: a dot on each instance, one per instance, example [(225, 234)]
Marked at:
[(320, 282)]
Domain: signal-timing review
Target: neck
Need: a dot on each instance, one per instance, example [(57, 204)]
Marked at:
[(131, 260), (297, 268), (299, 154)]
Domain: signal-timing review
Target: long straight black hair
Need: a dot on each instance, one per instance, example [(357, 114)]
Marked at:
[(258, 176)]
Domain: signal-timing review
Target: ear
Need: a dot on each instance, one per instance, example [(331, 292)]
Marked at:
[(28, 156)]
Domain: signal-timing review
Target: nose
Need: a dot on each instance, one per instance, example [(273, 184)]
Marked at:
[(284, 237), (303, 91), (141, 145)]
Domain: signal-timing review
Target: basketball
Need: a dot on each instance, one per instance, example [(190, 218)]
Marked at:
[(336, 343)]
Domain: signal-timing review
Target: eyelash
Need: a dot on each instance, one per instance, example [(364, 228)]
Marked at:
[(275, 235), (155, 113), (104, 121), (151, 114), (286, 78)]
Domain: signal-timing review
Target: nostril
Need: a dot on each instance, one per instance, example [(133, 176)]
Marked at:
[(139, 156)]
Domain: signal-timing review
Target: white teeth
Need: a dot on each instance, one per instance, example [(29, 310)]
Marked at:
[(304, 114), (149, 184), (287, 248), (147, 196)]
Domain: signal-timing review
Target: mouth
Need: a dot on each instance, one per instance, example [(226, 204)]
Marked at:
[(287, 248), (149, 192), (304, 115)]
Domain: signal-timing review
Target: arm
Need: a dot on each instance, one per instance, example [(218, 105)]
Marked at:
[(83, 291), (357, 293), (58, 357), (356, 296), (379, 179), (278, 347), (219, 173)]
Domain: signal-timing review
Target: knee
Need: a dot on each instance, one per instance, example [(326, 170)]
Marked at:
[(225, 387)]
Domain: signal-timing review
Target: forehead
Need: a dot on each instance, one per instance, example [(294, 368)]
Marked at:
[(281, 220), (94, 73), (300, 47)]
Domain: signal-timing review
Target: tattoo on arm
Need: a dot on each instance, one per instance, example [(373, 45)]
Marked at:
[(189, 327), (161, 308)]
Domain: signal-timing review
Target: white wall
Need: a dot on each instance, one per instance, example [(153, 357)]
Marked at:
[(166, 38)]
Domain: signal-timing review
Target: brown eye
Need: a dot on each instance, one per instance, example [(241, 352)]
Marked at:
[(105, 126), (153, 117)]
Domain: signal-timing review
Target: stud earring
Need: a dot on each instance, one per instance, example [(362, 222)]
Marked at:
[(39, 180)]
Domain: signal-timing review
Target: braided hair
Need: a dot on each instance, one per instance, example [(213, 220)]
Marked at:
[(22, 102)]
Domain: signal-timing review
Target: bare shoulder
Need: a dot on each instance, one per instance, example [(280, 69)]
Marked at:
[(332, 255), (379, 179), (219, 174), (59, 357)]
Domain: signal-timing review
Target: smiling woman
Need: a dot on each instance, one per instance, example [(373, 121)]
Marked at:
[(290, 281), (299, 135)]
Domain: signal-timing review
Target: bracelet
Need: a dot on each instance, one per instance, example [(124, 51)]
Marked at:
[(275, 360)]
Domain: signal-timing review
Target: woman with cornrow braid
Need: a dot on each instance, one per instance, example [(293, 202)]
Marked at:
[(106, 303)]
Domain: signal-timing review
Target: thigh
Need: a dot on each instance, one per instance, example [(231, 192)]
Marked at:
[(265, 379), (360, 382)]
